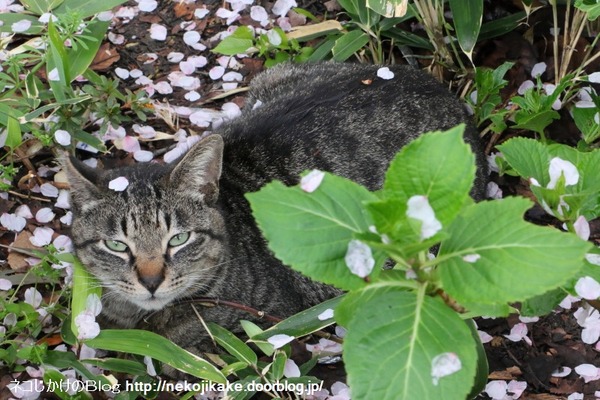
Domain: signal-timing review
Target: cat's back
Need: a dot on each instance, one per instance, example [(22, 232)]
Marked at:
[(337, 117)]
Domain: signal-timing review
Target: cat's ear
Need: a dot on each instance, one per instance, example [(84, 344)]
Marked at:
[(83, 180), (198, 172)]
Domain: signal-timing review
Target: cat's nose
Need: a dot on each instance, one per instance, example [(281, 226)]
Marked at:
[(150, 272), (151, 282)]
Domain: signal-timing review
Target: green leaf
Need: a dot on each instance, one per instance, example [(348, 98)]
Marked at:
[(323, 51), (349, 44), (117, 365), (87, 8), (467, 17), (438, 165), (403, 37), (481, 377), (584, 119), (237, 43), (40, 7), (359, 12), (277, 366), (386, 8), (145, 343), (232, 344), (393, 337), (67, 359), (501, 26), (542, 304), (81, 59), (10, 18), (535, 121), (13, 132), (528, 157), (303, 323), (251, 330), (311, 231), (84, 285), (51, 378), (510, 254), (591, 7)]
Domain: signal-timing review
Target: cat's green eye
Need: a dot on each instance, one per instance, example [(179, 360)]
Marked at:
[(116, 245), (179, 239)]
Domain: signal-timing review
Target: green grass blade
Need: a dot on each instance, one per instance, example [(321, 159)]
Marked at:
[(150, 344), (467, 17)]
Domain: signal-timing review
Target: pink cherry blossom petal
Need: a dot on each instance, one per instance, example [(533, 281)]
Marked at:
[(525, 86), (232, 76), (538, 69), (587, 288), (63, 200), (496, 389), (44, 215), (561, 372), (147, 5), (23, 211), (192, 96), (593, 258), (62, 137), (158, 32), (259, 14), (325, 315), (419, 209), (588, 372), (53, 75), (582, 228), (175, 57), (485, 337), (310, 182), (122, 73), (191, 37), (517, 333), (559, 167), (130, 144), (13, 222), (118, 184), (163, 87), (201, 12), (67, 218), (5, 284), (282, 7), (33, 297), (87, 326), (291, 370), (359, 258), (216, 72), (385, 73), (41, 236), (63, 244), (443, 365), (471, 258), (280, 340), (143, 156), (187, 67), (21, 26), (49, 190)]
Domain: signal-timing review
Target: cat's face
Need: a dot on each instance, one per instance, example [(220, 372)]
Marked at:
[(158, 240)]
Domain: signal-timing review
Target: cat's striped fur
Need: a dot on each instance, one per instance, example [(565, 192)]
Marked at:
[(336, 117)]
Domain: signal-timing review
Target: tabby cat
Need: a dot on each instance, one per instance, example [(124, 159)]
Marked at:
[(185, 230)]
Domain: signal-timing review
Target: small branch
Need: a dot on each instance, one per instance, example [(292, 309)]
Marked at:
[(232, 304), (29, 197)]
